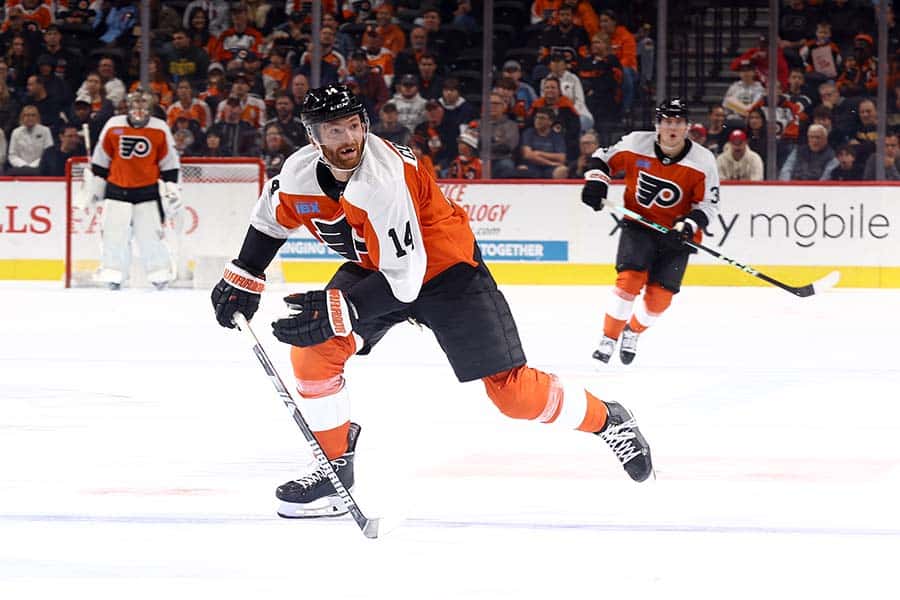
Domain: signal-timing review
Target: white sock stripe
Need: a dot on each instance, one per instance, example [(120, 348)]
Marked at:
[(644, 316), (574, 406), (553, 399), (620, 308), (326, 412)]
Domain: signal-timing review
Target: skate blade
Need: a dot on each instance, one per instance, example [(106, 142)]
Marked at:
[(331, 507)]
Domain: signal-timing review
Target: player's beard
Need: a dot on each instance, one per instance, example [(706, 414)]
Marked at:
[(346, 157)]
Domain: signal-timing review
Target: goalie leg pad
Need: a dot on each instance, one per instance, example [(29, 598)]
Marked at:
[(148, 233), (115, 236)]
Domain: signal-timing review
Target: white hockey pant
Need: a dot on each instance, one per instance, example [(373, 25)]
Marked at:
[(119, 220)]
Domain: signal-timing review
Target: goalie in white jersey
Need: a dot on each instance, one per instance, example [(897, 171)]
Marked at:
[(668, 180), (134, 171)]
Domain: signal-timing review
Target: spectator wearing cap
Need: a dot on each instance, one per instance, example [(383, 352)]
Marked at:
[(240, 36), (812, 161), (504, 139), (392, 35), (743, 93), (216, 12), (571, 88), (407, 60), (466, 165), (859, 76), (457, 110), (80, 115), (188, 106), (737, 161), (253, 110), (430, 82), (821, 56), (543, 149), (330, 56), (524, 92), (601, 76), (377, 56), (563, 37), (290, 124), (848, 169), (184, 60), (276, 75), (27, 143), (623, 45), (587, 145), (759, 57), (697, 134), (216, 86), (67, 64), (389, 127), (410, 104), (251, 65), (439, 134), (565, 117), (238, 137), (50, 108), (53, 160), (370, 82)]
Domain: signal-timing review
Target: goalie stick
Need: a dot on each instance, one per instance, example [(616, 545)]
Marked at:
[(369, 527), (816, 287)]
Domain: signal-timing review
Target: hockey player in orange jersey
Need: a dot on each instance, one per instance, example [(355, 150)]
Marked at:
[(410, 255), (669, 180), (134, 170)]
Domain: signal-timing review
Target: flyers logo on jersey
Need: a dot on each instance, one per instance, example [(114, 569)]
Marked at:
[(339, 236), (134, 146), (656, 190)]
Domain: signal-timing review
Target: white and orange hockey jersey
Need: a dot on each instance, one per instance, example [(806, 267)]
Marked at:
[(135, 156), (662, 188), (392, 217)]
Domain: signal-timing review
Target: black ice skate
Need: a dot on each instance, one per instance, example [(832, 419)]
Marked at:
[(605, 349), (629, 345), (622, 435), (313, 495)]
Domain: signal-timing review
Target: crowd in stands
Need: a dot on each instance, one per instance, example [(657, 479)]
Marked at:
[(229, 78)]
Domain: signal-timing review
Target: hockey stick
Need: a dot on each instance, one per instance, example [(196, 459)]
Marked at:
[(368, 526), (816, 287)]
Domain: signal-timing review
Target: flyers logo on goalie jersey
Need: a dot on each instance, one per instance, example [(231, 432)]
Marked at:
[(652, 189), (134, 146)]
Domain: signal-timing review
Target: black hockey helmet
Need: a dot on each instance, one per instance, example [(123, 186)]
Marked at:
[(672, 108), (330, 102)]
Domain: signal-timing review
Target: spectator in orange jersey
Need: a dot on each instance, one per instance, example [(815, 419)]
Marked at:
[(466, 165), (241, 36), (253, 110), (276, 75), (378, 57), (188, 106), (33, 11), (622, 44), (330, 56), (159, 83), (391, 33), (417, 144)]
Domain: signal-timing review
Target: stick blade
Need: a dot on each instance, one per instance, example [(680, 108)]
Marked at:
[(371, 528)]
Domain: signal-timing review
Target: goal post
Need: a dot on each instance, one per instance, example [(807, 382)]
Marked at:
[(218, 194)]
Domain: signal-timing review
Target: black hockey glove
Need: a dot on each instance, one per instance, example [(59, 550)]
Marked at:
[(683, 229), (238, 291), (318, 316), (596, 183)]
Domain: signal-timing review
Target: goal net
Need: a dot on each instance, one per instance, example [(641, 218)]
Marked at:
[(218, 194)]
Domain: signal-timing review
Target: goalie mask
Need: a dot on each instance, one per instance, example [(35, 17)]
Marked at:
[(140, 101), (336, 123)]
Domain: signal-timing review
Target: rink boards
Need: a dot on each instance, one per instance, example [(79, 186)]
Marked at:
[(536, 233)]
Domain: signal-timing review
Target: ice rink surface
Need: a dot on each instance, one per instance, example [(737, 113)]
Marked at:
[(140, 445)]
